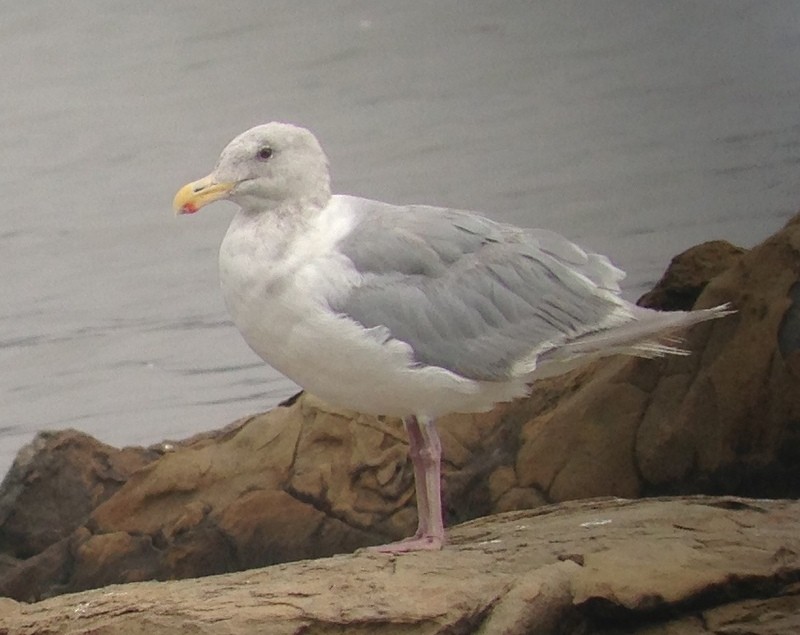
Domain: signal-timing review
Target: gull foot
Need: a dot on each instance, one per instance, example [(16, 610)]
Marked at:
[(415, 543)]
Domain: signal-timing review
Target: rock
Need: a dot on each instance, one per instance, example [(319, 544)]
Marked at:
[(689, 273), (55, 482), (308, 481), (655, 567), (721, 420)]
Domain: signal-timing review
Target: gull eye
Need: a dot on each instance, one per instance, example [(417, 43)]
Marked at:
[(264, 153)]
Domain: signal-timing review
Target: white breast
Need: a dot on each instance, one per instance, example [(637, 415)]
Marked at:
[(277, 278)]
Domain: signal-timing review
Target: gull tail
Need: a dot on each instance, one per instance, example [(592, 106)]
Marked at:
[(649, 334)]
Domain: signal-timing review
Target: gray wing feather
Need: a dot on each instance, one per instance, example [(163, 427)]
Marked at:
[(468, 294)]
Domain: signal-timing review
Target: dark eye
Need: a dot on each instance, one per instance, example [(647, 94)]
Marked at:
[(264, 153)]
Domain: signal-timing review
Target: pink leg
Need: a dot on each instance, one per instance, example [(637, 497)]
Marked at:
[(425, 451)]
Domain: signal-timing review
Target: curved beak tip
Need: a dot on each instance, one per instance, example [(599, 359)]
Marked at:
[(184, 201), (192, 196)]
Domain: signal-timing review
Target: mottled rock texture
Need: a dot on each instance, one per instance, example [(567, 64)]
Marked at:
[(655, 567)]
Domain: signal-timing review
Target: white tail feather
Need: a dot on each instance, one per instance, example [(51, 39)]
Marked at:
[(649, 334)]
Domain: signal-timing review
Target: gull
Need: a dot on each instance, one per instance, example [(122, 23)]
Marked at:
[(409, 311)]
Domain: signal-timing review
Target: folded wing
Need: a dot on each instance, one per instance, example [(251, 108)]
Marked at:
[(470, 295)]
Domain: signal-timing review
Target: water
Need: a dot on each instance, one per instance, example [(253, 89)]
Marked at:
[(636, 128)]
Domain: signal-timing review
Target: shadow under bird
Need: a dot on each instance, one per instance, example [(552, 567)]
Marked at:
[(409, 311)]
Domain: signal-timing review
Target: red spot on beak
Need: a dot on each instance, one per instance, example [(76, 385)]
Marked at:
[(189, 208)]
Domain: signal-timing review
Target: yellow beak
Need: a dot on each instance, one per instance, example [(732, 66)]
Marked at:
[(192, 196)]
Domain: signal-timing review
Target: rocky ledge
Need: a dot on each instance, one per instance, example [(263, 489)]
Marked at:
[(689, 566)]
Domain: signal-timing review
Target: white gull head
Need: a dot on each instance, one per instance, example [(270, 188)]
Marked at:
[(272, 166)]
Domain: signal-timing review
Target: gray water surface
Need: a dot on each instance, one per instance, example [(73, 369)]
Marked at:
[(636, 128)]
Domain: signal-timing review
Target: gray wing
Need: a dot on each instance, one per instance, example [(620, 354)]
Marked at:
[(468, 294)]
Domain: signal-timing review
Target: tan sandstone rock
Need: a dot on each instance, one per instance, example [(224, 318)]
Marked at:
[(56, 481), (696, 565), (688, 275)]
